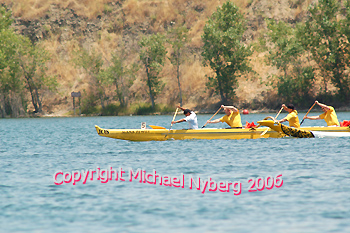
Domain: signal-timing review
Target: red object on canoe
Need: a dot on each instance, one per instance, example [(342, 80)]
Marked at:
[(345, 123), (249, 125)]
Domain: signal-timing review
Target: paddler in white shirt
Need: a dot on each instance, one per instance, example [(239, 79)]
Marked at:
[(191, 118)]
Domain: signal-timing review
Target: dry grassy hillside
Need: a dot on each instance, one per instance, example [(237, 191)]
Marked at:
[(63, 25)]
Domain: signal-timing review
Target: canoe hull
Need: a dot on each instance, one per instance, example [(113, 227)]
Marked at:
[(305, 132), (183, 134)]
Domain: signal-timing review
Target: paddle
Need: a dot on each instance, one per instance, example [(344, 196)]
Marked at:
[(177, 109), (263, 133), (212, 117), (308, 112)]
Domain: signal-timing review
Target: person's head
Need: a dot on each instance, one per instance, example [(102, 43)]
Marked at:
[(324, 109), (187, 112), (291, 106), (227, 111)]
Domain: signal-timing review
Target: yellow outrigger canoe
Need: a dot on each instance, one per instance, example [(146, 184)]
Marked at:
[(163, 134), (275, 130), (307, 132)]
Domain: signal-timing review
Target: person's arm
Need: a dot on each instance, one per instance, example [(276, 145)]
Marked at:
[(283, 120), (214, 121), (284, 107), (322, 105), (230, 107), (274, 119), (178, 121), (312, 117), (183, 109)]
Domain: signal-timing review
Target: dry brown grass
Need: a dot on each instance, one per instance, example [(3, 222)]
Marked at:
[(252, 84), (194, 81), (196, 33), (30, 9), (155, 12), (148, 16)]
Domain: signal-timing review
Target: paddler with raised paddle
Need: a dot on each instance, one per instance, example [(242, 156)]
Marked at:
[(329, 115), (191, 118), (292, 116), (232, 117)]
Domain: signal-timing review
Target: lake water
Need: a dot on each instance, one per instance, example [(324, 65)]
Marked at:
[(314, 196)]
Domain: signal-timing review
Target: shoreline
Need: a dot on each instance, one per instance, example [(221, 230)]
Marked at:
[(267, 111)]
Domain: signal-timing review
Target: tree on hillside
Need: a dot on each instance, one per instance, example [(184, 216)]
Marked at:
[(327, 38), (152, 55), (178, 38), (120, 75), (5, 18), (22, 66), (33, 60), (11, 85), (295, 81), (224, 51), (92, 63)]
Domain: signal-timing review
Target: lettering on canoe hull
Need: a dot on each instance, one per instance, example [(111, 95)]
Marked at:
[(136, 132), (103, 131)]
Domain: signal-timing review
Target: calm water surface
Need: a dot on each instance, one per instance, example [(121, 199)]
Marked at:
[(314, 197)]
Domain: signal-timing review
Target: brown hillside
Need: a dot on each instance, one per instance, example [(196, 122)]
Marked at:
[(63, 25)]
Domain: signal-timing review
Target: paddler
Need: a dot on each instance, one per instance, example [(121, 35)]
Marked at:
[(232, 117), (292, 116), (191, 118), (329, 115)]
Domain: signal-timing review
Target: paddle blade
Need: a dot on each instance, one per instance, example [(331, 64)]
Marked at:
[(156, 127)]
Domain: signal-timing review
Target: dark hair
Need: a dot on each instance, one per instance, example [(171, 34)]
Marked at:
[(290, 106), (187, 111)]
